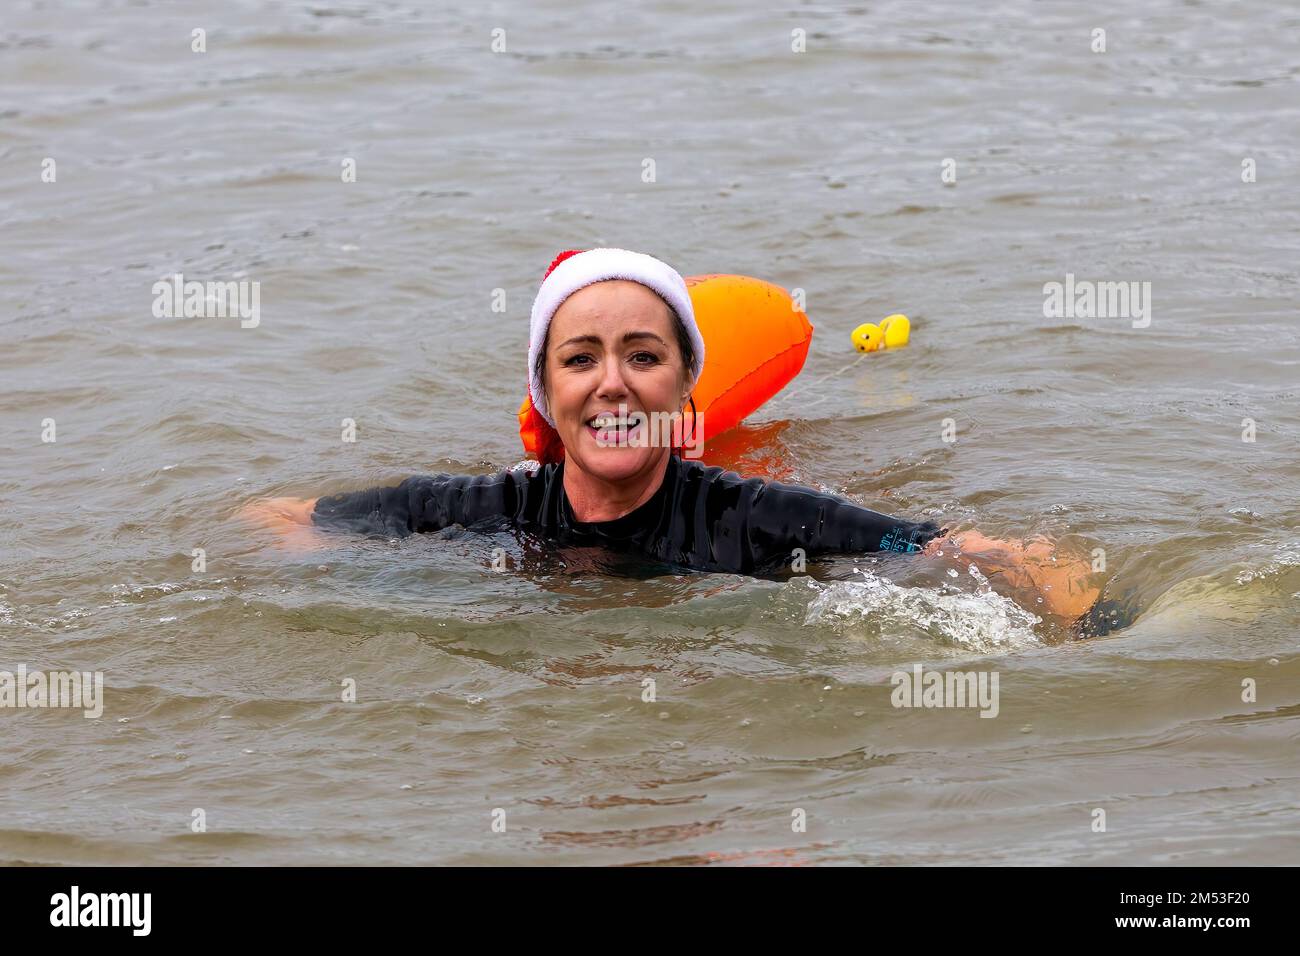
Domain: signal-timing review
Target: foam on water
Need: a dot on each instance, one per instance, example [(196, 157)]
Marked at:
[(981, 621), (1285, 558)]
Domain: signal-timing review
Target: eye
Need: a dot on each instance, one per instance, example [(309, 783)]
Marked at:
[(641, 357), (573, 359)]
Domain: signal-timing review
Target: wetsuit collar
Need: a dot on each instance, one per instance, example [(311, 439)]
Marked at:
[(643, 517)]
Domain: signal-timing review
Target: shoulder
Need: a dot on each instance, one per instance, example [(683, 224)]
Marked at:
[(695, 474), (719, 488), (435, 501), (517, 476), (715, 479), (508, 491)]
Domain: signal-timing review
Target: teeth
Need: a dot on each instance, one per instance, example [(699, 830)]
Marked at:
[(602, 421)]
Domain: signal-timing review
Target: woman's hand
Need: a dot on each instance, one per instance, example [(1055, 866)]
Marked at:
[(289, 518), (1063, 582)]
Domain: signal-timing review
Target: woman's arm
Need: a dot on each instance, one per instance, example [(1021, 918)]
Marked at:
[(787, 515), (288, 518), (780, 517), (422, 503), (299, 523), (1065, 583)]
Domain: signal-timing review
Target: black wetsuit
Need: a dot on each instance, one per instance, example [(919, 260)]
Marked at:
[(701, 517)]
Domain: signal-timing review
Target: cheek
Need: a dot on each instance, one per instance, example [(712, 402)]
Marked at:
[(667, 387), (563, 392)]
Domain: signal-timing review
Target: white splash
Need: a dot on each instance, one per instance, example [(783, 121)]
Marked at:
[(1286, 557), (980, 621)]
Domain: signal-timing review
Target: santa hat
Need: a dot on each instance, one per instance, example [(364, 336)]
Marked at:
[(574, 270)]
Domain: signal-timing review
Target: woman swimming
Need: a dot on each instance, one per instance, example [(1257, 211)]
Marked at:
[(613, 347)]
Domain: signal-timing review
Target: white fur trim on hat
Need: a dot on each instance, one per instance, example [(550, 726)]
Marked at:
[(597, 265)]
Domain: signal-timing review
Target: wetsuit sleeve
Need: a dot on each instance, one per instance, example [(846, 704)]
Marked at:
[(422, 503), (784, 517)]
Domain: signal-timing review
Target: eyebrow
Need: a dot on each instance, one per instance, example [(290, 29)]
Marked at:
[(595, 339)]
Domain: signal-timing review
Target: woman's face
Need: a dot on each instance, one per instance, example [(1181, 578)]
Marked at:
[(612, 344)]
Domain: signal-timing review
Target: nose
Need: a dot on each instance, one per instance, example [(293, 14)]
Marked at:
[(611, 386)]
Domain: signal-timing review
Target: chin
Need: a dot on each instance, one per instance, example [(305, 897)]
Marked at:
[(611, 464)]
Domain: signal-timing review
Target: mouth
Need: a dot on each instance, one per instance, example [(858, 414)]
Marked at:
[(607, 428)]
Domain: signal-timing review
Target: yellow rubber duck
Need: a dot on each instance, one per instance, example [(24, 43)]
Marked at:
[(868, 337), (897, 330), (892, 333)]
